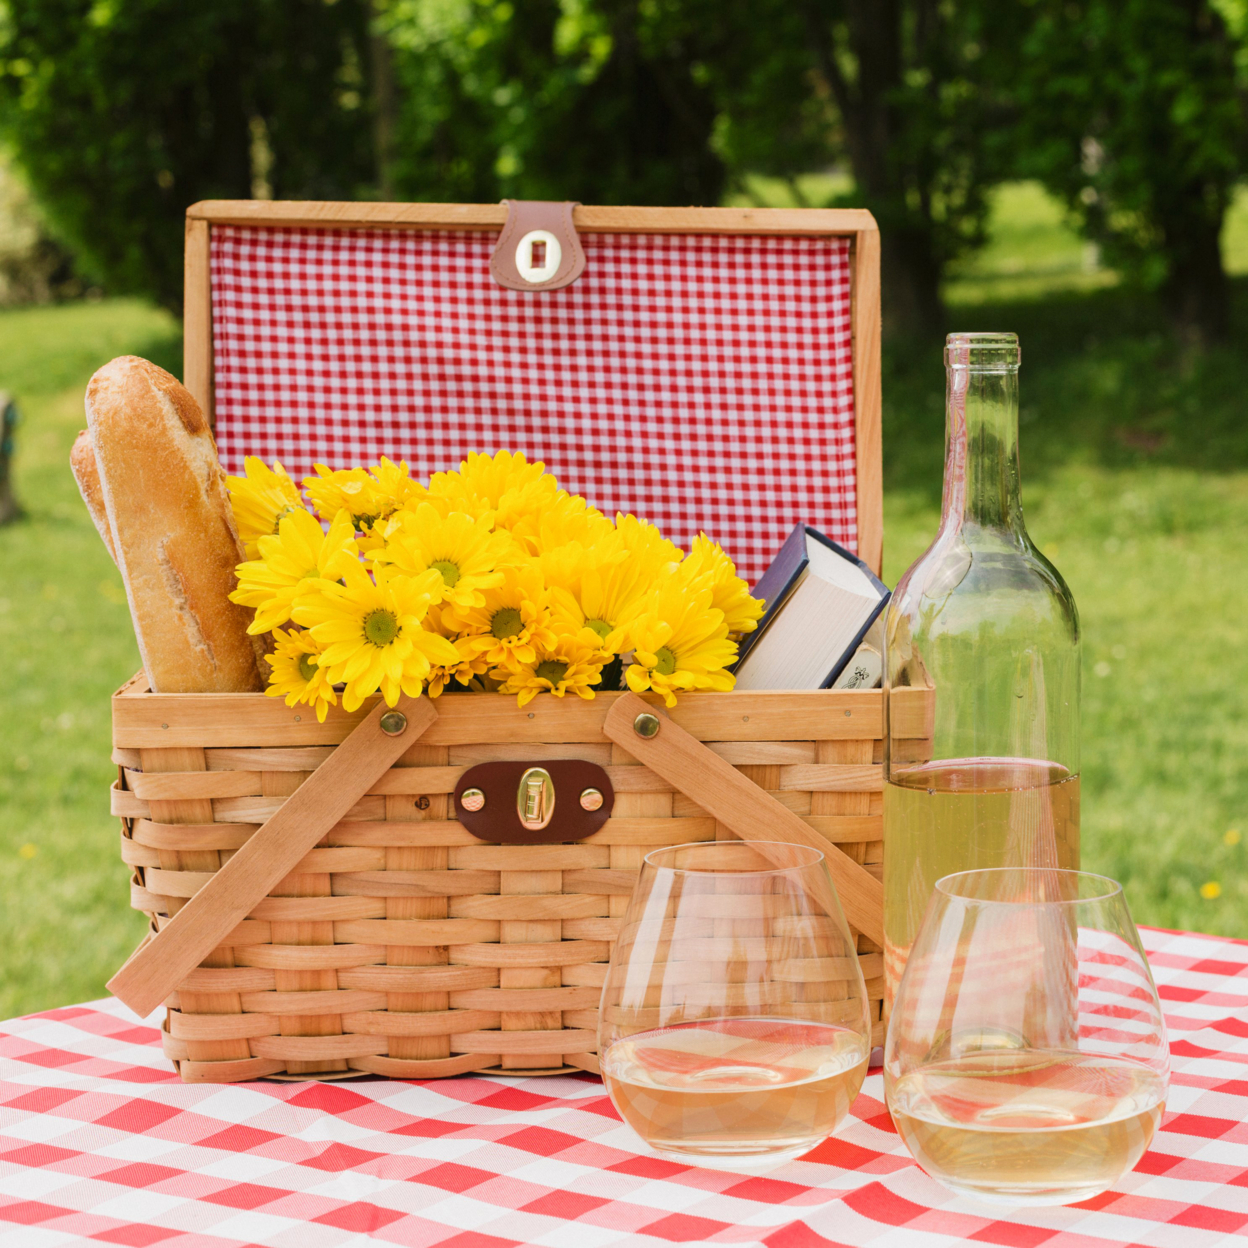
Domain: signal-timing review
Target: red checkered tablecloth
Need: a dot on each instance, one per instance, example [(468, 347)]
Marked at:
[(99, 1143)]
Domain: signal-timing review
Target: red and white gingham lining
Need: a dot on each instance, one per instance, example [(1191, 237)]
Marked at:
[(701, 381)]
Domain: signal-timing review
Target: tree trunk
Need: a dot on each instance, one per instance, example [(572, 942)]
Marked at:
[(909, 282), (1195, 290), (909, 270), (9, 510), (385, 104)]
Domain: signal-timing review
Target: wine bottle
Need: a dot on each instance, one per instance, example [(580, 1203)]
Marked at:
[(981, 670)]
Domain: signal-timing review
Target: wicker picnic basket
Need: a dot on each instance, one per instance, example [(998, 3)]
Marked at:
[(318, 902)]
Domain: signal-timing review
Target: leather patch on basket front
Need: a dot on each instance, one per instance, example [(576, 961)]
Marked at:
[(513, 801)]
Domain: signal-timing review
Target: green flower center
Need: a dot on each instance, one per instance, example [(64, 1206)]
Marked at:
[(667, 662), (506, 623), (601, 627), (307, 666), (551, 670), (281, 515), (364, 524), (450, 572), (381, 627)]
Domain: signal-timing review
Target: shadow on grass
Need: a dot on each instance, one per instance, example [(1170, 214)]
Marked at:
[(1104, 381)]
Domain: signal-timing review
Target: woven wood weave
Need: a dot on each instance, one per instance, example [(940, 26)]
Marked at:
[(402, 945)]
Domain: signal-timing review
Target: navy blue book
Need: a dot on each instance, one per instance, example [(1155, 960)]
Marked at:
[(821, 600)]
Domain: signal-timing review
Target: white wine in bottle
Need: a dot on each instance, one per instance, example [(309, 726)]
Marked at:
[(982, 653)]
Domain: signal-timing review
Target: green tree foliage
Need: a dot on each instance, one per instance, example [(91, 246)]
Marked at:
[(596, 100), (123, 112), (1129, 110), (898, 89), (920, 129)]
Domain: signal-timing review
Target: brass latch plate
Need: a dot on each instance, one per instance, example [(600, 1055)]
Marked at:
[(534, 803)]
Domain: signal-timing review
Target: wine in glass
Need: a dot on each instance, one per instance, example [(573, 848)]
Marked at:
[(1026, 1060), (734, 1027)]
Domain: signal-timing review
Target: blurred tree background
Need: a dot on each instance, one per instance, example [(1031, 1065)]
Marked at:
[(122, 112), (1072, 169)]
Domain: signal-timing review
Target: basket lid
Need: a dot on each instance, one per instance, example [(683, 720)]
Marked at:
[(704, 381)]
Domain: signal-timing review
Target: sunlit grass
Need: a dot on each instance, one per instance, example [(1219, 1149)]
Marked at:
[(66, 644)]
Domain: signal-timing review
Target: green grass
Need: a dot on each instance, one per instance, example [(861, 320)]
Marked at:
[(1135, 461), (66, 644)]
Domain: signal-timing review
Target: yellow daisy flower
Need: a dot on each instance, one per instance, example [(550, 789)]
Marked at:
[(680, 642), (729, 593), (644, 542), (296, 672), (600, 589), (566, 666), (505, 483), (514, 621), (373, 635), (369, 496), (564, 520), (466, 667), (301, 553), (463, 550), (260, 499)]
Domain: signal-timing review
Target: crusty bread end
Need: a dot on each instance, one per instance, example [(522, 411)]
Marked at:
[(173, 531), (82, 464)]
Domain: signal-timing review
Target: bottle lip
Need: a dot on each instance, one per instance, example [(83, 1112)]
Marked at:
[(983, 352)]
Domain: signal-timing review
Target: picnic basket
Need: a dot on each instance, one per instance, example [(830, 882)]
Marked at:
[(318, 904)]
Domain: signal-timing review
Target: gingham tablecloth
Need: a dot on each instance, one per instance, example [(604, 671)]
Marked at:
[(99, 1143)]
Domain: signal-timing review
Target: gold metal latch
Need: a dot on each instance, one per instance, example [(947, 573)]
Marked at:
[(535, 799)]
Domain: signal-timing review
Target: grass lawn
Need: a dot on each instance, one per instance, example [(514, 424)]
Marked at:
[(1135, 463)]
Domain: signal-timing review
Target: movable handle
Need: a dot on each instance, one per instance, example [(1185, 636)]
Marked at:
[(752, 813), (165, 958)]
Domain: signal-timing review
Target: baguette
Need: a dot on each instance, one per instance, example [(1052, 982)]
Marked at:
[(173, 531), (82, 464)]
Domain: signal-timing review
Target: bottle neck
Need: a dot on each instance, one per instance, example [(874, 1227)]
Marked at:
[(981, 450)]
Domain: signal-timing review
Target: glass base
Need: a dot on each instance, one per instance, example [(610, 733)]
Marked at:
[(738, 1162), (1022, 1195)]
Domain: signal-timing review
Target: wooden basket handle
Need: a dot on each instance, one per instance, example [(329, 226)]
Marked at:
[(165, 958), (752, 813)]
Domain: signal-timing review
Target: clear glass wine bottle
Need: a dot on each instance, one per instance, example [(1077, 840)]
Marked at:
[(981, 671)]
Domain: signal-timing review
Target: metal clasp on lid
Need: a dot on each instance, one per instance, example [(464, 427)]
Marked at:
[(539, 248)]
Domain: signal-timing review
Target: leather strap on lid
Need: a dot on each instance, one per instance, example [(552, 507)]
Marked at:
[(538, 248)]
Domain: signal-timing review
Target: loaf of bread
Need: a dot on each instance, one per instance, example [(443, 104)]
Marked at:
[(173, 532), (82, 464)]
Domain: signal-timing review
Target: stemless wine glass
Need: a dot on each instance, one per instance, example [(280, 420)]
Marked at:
[(733, 1030), (1026, 1060)]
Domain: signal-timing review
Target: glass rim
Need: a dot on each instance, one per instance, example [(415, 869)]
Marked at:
[(1112, 888), (818, 857), (983, 351), (982, 338)]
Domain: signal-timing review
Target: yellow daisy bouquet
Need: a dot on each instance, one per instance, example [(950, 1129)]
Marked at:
[(488, 578)]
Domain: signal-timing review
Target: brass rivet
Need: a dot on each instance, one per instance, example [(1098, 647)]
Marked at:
[(848, 714), (298, 719), (394, 723), (591, 799), (745, 719), (472, 799), (532, 714), (646, 725)]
